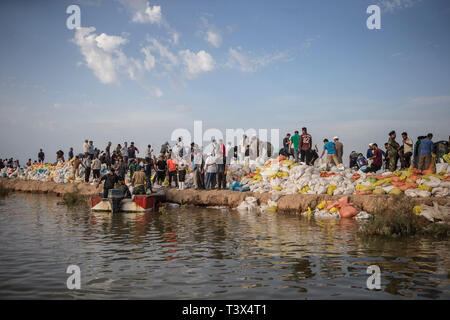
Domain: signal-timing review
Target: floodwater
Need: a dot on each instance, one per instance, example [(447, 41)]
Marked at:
[(198, 253)]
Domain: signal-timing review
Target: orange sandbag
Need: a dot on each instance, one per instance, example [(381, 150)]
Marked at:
[(414, 177), (417, 171), (364, 192), (348, 211), (447, 178), (355, 176), (429, 170), (404, 185)]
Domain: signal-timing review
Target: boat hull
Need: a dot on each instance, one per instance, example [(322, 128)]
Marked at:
[(140, 203)]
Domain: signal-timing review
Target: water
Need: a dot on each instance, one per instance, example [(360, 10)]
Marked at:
[(196, 253)]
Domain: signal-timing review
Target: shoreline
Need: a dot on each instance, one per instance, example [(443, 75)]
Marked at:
[(287, 203)]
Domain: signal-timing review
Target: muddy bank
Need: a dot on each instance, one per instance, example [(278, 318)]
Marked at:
[(288, 203), (84, 189)]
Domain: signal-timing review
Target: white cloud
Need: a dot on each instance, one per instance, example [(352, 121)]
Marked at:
[(102, 53), (248, 63), (213, 38), (394, 5), (197, 63), (142, 12), (210, 33), (166, 57), (149, 61)]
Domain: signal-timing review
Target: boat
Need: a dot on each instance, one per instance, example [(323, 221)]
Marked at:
[(116, 202)]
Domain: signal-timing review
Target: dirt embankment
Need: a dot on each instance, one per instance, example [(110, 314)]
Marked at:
[(84, 189), (288, 203)]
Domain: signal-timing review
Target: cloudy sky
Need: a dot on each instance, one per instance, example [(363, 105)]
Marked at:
[(137, 70)]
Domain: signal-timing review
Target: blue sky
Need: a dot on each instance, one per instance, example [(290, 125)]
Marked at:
[(137, 70)]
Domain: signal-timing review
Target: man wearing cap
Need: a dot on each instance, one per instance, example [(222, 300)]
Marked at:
[(339, 149), (392, 150)]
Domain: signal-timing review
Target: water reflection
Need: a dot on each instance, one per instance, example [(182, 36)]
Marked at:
[(205, 253)]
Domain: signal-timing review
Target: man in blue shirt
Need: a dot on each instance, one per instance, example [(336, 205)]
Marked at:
[(369, 153), (331, 150), (425, 150)]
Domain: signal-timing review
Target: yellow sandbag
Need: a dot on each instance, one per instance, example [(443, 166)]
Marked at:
[(425, 187), (322, 205), (417, 210), (166, 182), (272, 209), (304, 190), (278, 188), (334, 210), (395, 191), (379, 191), (397, 173), (330, 189)]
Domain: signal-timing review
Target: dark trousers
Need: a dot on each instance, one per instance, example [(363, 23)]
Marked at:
[(373, 168), (407, 159), (221, 177), (105, 192), (96, 173), (305, 156), (87, 173), (210, 182), (173, 175), (159, 177), (149, 182)]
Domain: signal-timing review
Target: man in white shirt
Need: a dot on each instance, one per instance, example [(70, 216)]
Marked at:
[(211, 170), (407, 150), (86, 147), (242, 145)]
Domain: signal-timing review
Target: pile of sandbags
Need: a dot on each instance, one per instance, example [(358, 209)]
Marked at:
[(284, 177), (336, 209)]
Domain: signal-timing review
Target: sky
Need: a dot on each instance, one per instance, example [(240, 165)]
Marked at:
[(137, 70)]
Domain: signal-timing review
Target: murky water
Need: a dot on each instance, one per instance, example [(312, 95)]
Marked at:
[(196, 253)]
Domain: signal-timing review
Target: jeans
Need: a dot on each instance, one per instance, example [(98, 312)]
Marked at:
[(87, 173), (295, 155), (210, 180)]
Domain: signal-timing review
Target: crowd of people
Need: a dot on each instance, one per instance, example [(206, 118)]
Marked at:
[(210, 169)]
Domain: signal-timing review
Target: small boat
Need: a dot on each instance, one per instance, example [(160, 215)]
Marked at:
[(116, 202)]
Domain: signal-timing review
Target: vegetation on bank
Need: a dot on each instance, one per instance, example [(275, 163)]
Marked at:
[(401, 221), (73, 199), (4, 191)]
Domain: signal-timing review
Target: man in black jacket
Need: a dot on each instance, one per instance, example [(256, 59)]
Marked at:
[(110, 180)]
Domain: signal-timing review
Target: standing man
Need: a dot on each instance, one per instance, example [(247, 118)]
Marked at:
[(132, 152), (242, 147), (221, 166), (41, 156), (211, 170), (70, 154), (416, 151), (76, 166), (294, 145), (108, 155), (87, 164), (407, 150), (172, 168), (393, 148), (286, 143), (148, 172), (86, 148), (138, 180), (124, 153), (339, 149), (425, 150), (305, 146), (331, 150)]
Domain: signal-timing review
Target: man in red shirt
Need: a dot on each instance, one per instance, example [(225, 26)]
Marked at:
[(305, 146), (377, 159)]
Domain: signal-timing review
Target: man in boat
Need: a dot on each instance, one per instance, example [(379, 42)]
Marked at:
[(122, 186), (138, 181), (110, 180)]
